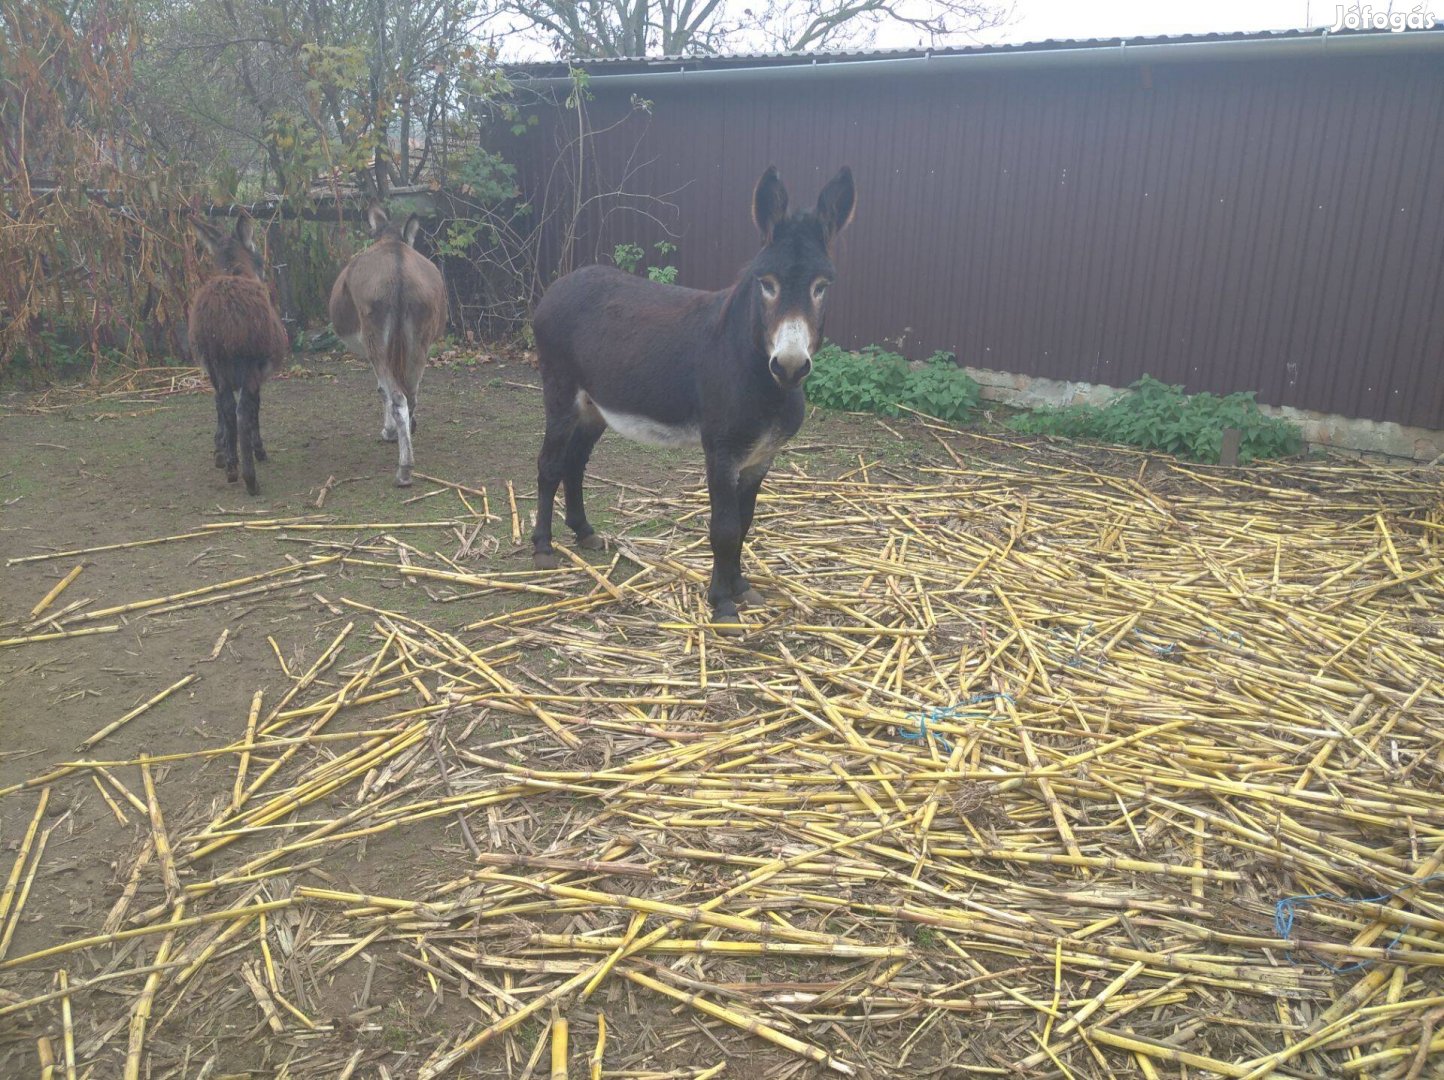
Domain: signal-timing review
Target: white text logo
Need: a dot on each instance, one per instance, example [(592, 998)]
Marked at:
[(1366, 18)]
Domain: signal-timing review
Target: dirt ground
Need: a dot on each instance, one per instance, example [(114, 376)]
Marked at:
[(119, 470), (129, 468), (1202, 690)]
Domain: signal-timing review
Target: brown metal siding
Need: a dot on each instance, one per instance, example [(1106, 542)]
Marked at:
[(1272, 226)]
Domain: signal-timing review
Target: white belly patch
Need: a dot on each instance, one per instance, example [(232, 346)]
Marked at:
[(763, 450), (643, 429)]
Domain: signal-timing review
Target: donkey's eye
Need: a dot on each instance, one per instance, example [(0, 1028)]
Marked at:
[(769, 287), (819, 289)]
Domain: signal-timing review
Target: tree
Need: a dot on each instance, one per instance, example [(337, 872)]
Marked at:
[(364, 88), (797, 25), (613, 28)]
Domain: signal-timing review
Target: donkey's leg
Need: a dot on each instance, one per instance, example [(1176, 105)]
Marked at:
[(225, 402), (725, 533), (579, 451), (414, 392), (226, 406), (248, 412), (256, 434), (749, 482), (388, 423), (550, 467), (401, 418)]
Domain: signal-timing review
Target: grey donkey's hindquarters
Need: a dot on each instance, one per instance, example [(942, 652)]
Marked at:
[(389, 305)]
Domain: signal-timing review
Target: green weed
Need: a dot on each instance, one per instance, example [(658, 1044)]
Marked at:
[(876, 380), (1156, 416)]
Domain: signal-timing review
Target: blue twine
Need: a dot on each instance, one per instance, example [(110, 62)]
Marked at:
[(922, 732), (1231, 637), (1077, 659), (1286, 912), (1159, 650), (946, 712)]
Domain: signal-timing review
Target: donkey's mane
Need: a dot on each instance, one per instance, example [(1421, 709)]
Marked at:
[(741, 287)]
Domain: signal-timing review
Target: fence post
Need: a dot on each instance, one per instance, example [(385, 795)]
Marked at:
[(278, 250)]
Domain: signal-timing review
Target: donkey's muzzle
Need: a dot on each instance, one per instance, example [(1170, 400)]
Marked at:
[(789, 373)]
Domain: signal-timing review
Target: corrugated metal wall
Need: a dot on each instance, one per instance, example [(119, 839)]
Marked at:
[(1271, 226)]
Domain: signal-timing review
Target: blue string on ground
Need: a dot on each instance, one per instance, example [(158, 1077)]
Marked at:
[(1158, 650), (947, 712), (1286, 912)]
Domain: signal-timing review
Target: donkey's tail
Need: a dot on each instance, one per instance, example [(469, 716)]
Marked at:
[(381, 332), (396, 343)]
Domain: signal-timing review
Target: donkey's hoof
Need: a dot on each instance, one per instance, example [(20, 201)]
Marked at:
[(725, 620), (546, 560), (252, 487), (388, 434), (220, 460), (260, 453), (232, 476), (749, 597), (591, 542), (403, 477)]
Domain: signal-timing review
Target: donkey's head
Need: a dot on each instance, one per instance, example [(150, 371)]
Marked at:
[(234, 253), (382, 229), (794, 269)]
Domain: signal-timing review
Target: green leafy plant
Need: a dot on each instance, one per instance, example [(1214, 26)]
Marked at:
[(876, 380), (628, 257), (1156, 416), (667, 275), (940, 388), (486, 177)]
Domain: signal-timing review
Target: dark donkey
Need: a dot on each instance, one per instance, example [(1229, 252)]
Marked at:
[(240, 339), (678, 367)]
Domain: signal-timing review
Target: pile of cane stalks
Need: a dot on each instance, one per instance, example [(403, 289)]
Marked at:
[(1039, 761)]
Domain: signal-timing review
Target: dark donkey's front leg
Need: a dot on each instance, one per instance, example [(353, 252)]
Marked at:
[(749, 483), (724, 490)]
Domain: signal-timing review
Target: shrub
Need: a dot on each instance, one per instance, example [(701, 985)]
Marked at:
[(630, 257), (1156, 416), (875, 380)]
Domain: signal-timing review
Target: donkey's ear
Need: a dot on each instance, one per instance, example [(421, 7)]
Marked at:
[(410, 229), (769, 203), (377, 219), (246, 232), (836, 204), (207, 234)]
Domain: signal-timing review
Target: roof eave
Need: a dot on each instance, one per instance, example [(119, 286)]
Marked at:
[(1319, 46)]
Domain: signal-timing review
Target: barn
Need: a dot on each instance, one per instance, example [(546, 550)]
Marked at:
[(1254, 212)]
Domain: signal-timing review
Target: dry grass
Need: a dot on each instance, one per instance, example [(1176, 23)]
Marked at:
[(1007, 780)]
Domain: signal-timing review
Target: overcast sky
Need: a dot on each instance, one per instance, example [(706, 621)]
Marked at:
[(1038, 20)]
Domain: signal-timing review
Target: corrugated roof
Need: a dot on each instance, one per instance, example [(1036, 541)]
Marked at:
[(634, 64)]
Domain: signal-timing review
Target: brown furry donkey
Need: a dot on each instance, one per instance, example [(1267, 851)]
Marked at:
[(239, 338)]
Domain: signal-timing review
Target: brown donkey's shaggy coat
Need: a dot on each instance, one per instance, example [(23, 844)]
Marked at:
[(389, 305), (239, 338)]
